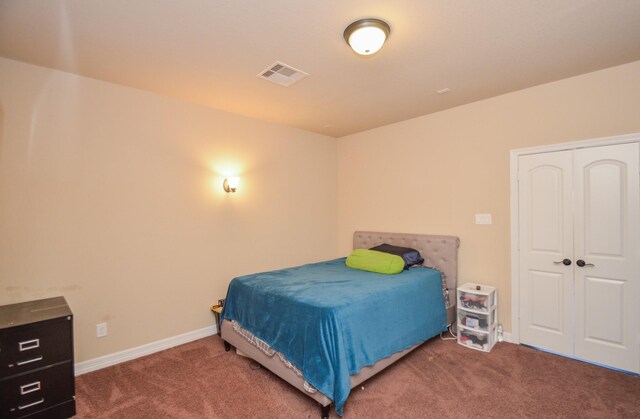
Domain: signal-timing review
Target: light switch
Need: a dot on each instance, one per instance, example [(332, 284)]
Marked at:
[(483, 218)]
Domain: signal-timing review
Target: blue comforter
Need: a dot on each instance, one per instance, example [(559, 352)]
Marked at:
[(330, 320)]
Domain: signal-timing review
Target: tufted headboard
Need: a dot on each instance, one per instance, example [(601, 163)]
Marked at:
[(440, 252)]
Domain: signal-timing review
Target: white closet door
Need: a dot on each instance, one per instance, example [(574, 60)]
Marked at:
[(546, 239), (607, 239)]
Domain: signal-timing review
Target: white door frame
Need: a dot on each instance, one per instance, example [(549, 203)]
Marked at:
[(515, 223)]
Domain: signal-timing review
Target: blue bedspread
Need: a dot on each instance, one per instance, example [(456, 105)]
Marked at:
[(330, 320)]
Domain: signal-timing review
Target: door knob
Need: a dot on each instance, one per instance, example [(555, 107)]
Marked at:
[(581, 263), (565, 261)]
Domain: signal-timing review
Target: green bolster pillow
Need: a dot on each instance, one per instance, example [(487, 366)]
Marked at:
[(373, 261)]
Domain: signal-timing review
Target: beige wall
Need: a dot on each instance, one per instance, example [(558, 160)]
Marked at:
[(433, 173), (113, 198)]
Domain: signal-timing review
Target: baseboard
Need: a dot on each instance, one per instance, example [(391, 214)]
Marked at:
[(139, 351), (160, 345)]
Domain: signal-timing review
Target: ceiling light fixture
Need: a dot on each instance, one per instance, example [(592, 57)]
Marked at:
[(366, 36)]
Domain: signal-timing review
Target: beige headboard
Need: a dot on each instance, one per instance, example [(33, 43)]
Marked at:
[(440, 252)]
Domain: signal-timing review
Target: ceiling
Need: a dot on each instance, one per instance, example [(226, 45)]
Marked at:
[(209, 51)]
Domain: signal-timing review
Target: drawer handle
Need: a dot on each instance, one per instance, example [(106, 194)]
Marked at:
[(29, 344), (26, 406), (29, 388), (29, 361)]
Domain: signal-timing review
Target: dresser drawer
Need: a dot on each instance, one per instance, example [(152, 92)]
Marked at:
[(35, 345), (35, 391)]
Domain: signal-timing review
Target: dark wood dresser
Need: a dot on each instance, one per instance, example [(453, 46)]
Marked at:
[(36, 360)]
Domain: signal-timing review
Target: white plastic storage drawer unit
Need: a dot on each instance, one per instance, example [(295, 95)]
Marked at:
[(477, 316)]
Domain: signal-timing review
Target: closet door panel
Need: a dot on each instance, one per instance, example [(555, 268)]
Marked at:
[(547, 302), (604, 315), (607, 239), (546, 239)]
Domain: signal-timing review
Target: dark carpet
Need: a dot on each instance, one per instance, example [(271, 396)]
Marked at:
[(440, 379)]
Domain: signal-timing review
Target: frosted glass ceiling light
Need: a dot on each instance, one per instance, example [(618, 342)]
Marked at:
[(366, 36)]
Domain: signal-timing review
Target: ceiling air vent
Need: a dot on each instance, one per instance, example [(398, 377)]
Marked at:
[(282, 74)]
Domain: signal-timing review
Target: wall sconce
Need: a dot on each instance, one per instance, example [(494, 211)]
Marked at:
[(230, 184)]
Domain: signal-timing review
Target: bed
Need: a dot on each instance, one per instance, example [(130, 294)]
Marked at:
[(349, 325)]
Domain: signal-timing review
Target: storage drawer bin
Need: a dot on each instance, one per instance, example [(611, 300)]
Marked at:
[(477, 340), (482, 300), (476, 321)]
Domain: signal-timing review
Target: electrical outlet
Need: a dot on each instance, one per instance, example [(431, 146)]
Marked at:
[(101, 330)]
